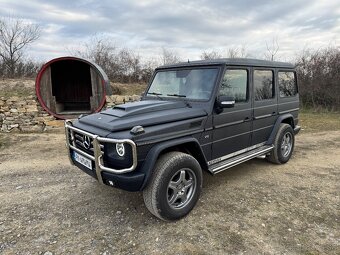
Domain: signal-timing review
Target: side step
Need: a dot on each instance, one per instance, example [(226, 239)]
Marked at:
[(228, 163)]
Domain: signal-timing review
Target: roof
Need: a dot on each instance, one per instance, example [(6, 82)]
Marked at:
[(232, 61)]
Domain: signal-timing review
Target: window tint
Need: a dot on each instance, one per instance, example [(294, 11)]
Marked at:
[(263, 84), (234, 84), (287, 84)]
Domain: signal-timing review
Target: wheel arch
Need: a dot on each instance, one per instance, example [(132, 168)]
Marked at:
[(188, 145), (286, 118)]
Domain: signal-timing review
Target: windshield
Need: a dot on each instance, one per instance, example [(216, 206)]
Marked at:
[(194, 84)]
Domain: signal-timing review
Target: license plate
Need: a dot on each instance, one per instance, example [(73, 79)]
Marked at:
[(82, 160)]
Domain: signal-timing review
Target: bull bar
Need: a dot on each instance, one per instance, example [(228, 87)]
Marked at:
[(98, 154)]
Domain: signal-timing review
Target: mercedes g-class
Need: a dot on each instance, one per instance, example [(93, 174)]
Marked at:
[(196, 116)]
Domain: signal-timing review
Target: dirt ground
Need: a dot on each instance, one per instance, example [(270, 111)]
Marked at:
[(50, 207)]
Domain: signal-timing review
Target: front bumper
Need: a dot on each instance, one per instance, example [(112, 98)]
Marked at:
[(109, 174)]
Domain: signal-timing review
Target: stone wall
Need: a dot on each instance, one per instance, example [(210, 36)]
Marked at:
[(24, 114)]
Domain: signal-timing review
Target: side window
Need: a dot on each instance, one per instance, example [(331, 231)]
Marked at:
[(234, 84), (287, 84), (263, 84)]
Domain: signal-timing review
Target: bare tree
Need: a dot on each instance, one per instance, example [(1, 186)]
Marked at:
[(211, 55), (120, 64), (169, 57), (272, 49), (319, 75), (232, 53), (15, 36)]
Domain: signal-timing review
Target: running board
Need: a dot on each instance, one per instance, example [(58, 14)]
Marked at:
[(228, 163)]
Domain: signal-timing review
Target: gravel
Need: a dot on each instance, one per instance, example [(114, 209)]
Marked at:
[(50, 207)]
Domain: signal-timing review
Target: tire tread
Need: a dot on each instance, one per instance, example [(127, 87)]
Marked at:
[(161, 166)]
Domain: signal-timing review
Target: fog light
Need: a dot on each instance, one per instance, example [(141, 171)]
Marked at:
[(120, 149)]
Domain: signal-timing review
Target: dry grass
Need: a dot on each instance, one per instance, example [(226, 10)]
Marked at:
[(26, 87), (17, 87), (128, 89), (312, 121)]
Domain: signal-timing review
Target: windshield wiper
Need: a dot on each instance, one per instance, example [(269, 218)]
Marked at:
[(156, 94), (176, 95)]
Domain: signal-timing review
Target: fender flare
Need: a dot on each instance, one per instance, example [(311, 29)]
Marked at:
[(157, 149), (279, 120)]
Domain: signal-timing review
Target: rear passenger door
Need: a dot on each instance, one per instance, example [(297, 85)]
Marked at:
[(265, 104)]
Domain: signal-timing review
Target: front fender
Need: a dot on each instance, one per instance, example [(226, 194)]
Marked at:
[(156, 150)]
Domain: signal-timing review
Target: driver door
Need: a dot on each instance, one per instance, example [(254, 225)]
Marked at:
[(232, 127)]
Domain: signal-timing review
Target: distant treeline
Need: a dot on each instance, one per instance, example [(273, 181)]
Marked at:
[(319, 78), (318, 70)]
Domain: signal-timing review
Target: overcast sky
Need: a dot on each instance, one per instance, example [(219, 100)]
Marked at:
[(186, 27)]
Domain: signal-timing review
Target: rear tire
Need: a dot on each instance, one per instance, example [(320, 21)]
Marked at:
[(174, 187), (283, 145)]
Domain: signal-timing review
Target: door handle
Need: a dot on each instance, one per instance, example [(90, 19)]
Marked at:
[(246, 119), (273, 113)]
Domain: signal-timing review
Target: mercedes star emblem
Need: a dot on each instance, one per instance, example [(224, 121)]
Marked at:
[(87, 142)]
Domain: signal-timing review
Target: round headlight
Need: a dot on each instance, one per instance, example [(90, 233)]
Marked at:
[(120, 149)]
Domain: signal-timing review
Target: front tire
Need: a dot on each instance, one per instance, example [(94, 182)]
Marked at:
[(283, 145), (174, 187)]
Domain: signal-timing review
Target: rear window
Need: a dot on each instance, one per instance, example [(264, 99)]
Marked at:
[(287, 84)]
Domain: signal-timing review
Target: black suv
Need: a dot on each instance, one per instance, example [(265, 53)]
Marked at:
[(196, 116)]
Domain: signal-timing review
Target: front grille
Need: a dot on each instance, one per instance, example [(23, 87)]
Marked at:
[(81, 143)]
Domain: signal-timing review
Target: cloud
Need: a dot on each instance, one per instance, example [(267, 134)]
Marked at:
[(188, 27)]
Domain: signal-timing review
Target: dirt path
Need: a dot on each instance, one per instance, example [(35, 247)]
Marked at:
[(254, 208)]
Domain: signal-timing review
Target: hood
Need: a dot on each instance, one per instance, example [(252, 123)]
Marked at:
[(142, 113)]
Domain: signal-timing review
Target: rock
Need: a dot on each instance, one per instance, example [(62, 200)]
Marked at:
[(21, 110), (19, 187), (31, 102), (5, 108), (48, 253), (18, 121), (120, 100), (108, 99), (15, 130), (4, 128), (13, 126), (13, 99), (136, 98), (23, 102), (31, 108), (2, 102), (31, 128)]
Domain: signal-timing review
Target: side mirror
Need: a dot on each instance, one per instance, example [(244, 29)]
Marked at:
[(225, 101)]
